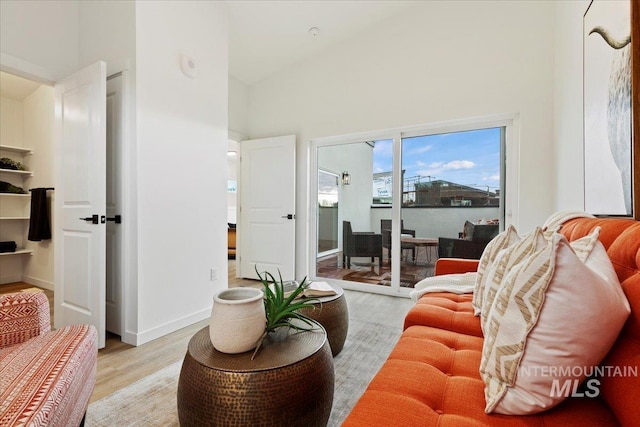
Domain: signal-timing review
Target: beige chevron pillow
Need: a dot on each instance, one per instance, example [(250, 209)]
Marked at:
[(517, 250), (503, 263), (553, 318), (498, 243)]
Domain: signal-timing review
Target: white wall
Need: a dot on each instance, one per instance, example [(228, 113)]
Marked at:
[(11, 122), (232, 171), (567, 104), (438, 62), (435, 222), (182, 162), (38, 135), (238, 107), (43, 33), (355, 199)]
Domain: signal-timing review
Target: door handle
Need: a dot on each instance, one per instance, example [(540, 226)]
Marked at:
[(117, 219), (93, 218), (288, 216)]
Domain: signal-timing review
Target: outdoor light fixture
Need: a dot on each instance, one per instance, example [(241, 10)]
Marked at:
[(346, 178)]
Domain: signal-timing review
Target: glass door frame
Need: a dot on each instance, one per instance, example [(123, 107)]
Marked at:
[(337, 249), (509, 196)]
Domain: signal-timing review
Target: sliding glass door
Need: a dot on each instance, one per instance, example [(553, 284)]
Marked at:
[(390, 204), (452, 181), (328, 205)]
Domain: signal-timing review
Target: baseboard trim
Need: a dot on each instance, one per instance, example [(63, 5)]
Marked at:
[(167, 328), (10, 278), (38, 282)]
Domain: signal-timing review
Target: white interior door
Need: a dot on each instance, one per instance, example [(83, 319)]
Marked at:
[(79, 260), (266, 229), (115, 141)]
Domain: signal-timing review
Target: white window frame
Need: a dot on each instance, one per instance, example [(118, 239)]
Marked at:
[(510, 173)]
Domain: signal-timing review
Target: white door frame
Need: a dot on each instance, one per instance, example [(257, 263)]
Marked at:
[(31, 71), (114, 177)]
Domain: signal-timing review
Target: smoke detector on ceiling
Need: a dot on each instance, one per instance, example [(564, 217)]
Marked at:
[(314, 31)]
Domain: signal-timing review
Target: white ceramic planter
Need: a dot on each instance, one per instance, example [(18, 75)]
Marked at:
[(237, 320)]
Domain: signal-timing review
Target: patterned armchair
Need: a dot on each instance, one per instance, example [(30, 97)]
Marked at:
[(46, 377)]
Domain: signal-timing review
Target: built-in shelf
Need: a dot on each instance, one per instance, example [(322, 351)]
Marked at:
[(14, 195), (14, 222), (18, 252), (16, 149), (15, 172)]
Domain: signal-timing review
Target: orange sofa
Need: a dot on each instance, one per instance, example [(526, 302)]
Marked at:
[(432, 378)]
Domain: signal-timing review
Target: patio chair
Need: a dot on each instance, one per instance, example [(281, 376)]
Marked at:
[(385, 227), (475, 238), (360, 244)]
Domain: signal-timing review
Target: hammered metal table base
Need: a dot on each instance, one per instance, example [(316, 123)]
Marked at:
[(333, 314), (290, 383)]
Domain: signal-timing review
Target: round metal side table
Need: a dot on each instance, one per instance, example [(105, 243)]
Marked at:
[(333, 314), (289, 383)]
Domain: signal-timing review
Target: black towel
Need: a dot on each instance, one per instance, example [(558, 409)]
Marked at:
[(39, 228), (8, 247)]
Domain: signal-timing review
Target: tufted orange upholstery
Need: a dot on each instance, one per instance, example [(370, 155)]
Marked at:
[(431, 377), (622, 240), (446, 311)]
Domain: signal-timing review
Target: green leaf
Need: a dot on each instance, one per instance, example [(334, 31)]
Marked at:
[(281, 311)]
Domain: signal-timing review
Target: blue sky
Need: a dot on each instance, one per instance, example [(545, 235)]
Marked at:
[(469, 158)]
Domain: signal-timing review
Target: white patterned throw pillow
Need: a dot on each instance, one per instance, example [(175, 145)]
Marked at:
[(498, 243), (505, 261), (553, 318)]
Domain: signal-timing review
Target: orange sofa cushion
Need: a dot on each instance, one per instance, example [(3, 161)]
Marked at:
[(446, 311), (431, 377)]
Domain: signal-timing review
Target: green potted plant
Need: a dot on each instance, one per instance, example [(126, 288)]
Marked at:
[(281, 307)]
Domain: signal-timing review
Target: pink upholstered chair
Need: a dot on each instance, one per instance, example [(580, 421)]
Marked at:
[(46, 377)]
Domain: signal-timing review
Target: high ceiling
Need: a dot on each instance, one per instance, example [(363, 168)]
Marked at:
[(267, 36)]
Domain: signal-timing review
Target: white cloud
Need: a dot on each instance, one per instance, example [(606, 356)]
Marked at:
[(453, 165), (491, 178), (459, 164)]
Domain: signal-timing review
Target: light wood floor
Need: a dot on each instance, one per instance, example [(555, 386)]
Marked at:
[(120, 364)]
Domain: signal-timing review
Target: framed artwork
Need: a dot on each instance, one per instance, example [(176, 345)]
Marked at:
[(611, 153)]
